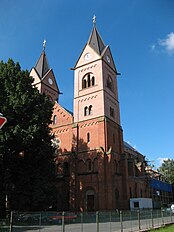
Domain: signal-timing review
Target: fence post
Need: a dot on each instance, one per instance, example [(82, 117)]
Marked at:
[(11, 222), (81, 217), (63, 221), (97, 220), (139, 223), (152, 217), (171, 215), (162, 216), (40, 220), (121, 221), (110, 220)]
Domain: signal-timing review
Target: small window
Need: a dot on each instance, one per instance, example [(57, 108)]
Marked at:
[(90, 109), (109, 83), (93, 81), (89, 166), (88, 137), (111, 112), (85, 111), (54, 119)]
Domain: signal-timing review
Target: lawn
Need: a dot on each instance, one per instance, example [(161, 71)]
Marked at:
[(164, 229)]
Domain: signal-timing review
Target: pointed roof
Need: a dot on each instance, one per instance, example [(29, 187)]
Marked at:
[(95, 41), (42, 66)]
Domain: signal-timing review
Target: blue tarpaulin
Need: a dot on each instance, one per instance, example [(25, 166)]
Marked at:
[(159, 185)]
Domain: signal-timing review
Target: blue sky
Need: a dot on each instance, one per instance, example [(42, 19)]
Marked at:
[(140, 34)]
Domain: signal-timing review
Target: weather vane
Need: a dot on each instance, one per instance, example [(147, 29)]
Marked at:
[(94, 20), (44, 44)]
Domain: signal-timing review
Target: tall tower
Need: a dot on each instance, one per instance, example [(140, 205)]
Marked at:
[(97, 116), (95, 85), (44, 78)]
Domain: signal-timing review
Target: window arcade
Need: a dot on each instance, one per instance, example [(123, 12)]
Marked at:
[(88, 81)]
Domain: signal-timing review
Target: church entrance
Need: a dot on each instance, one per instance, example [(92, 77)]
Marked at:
[(90, 200)]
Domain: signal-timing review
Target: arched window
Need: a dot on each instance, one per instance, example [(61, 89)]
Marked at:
[(93, 81), (109, 83), (111, 112), (86, 111), (90, 200), (90, 109), (88, 81), (88, 137), (89, 165), (84, 84), (54, 119)]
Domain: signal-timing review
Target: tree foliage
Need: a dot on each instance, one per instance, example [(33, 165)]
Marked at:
[(26, 155), (167, 169)]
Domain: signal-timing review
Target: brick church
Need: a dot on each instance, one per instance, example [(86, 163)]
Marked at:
[(96, 170)]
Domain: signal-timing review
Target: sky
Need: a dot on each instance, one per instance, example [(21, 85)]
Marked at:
[(140, 34)]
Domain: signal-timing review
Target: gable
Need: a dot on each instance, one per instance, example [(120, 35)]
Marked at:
[(63, 116), (107, 57), (88, 55), (35, 76), (49, 80)]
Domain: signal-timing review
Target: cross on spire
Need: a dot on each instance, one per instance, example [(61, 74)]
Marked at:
[(44, 44), (94, 20)]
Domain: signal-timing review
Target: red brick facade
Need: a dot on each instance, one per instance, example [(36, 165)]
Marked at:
[(95, 170)]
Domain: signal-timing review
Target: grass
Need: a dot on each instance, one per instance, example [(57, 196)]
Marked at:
[(164, 229)]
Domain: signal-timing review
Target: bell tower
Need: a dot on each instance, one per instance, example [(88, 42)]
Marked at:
[(97, 120), (95, 83), (44, 78)]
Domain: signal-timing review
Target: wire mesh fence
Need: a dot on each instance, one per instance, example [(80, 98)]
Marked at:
[(123, 221)]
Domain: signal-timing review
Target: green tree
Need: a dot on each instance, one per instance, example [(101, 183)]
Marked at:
[(26, 153), (167, 169)]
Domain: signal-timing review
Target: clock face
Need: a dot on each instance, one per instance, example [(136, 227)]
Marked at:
[(108, 59), (50, 81), (87, 56)]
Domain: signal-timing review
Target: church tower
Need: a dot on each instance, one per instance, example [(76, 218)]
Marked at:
[(44, 78), (97, 118), (95, 85)]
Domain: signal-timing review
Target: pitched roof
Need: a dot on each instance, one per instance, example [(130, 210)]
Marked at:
[(42, 66), (95, 41)]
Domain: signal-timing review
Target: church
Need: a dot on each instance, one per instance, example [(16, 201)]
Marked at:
[(96, 169)]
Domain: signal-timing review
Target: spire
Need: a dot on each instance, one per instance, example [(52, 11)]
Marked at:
[(95, 41), (42, 66)]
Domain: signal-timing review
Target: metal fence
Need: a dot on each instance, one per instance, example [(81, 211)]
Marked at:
[(123, 221)]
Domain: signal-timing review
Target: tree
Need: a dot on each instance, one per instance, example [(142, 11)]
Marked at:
[(167, 169), (26, 152)]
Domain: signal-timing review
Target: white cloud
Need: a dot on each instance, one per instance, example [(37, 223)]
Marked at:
[(167, 43)]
